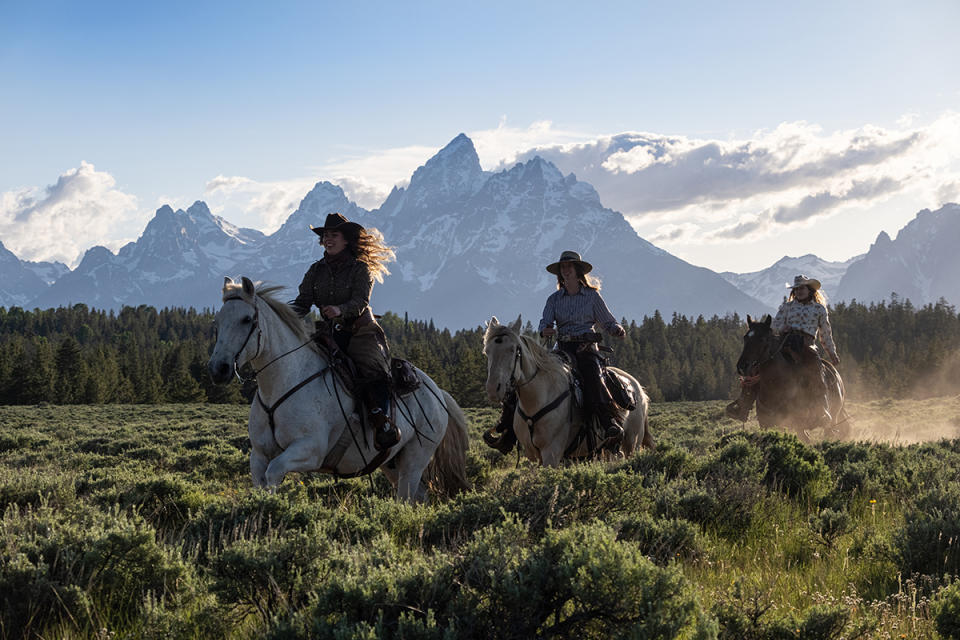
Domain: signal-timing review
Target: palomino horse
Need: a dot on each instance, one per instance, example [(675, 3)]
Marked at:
[(542, 381), (782, 399), (304, 419)]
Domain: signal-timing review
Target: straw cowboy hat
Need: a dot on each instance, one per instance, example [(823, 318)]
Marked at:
[(571, 257), (336, 222), (799, 281)]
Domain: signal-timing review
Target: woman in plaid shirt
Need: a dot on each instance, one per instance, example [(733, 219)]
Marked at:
[(576, 307), (802, 319)]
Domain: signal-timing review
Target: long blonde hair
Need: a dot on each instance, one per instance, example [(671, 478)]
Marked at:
[(817, 296), (370, 248)]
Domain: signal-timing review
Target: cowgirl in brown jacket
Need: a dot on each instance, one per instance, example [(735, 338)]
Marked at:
[(339, 285)]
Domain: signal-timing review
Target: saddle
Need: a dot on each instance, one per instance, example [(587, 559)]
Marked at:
[(618, 386), (403, 376), (794, 344), (620, 390), (591, 433)]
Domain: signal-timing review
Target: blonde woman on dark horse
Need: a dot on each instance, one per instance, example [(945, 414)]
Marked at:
[(802, 320), (339, 285), (575, 308)]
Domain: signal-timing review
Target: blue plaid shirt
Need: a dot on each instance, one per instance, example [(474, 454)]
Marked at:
[(577, 314)]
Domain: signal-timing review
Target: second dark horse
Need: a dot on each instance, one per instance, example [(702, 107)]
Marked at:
[(782, 399)]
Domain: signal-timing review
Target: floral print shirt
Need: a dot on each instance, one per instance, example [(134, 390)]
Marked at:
[(808, 317)]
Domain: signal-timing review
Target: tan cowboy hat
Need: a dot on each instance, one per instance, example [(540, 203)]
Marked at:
[(799, 281), (336, 222), (569, 256)]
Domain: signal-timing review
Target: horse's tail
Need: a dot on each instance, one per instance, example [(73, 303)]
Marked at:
[(644, 407), (447, 471)]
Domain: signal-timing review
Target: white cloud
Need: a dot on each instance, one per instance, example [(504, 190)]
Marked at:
[(258, 205), (676, 190), (753, 187), (673, 233), (84, 208), (368, 176), (501, 147), (633, 160)]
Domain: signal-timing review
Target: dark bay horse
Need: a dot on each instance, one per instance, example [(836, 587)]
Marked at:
[(776, 381)]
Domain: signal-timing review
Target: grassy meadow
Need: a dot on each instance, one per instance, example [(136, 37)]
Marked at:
[(139, 521)]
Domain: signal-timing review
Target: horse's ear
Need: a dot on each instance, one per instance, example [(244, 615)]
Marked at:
[(749, 320), (248, 288), (767, 319), (516, 324), (493, 321)]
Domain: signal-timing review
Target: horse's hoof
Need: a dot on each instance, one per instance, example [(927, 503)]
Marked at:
[(612, 444), (734, 411)]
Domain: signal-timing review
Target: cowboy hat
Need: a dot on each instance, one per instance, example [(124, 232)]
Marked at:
[(569, 256), (336, 222), (800, 281)]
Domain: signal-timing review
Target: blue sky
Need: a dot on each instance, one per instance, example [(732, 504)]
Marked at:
[(109, 110)]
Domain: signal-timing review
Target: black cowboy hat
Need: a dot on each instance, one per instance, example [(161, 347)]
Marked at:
[(569, 256), (336, 222)]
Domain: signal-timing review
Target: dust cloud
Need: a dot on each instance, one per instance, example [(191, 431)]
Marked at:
[(903, 422)]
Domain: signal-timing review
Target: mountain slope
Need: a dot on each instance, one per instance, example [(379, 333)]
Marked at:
[(769, 285), (176, 262), (921, 264), (469, 244), (19, 284), (472, 244)]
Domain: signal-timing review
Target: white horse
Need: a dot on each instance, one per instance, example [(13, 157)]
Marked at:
[(541, 380), (304, 419)]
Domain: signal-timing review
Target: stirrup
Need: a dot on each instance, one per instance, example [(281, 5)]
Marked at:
[(613, 438), (385, 432)]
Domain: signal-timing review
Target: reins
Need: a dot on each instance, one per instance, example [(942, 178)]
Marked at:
[(255, 326), (751, 380), (336, 453), (516, 384), (546, 409)]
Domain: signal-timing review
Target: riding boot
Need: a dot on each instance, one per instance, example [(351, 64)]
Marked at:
[(385, 431), (611, 421), (739, 409), (504, 442)]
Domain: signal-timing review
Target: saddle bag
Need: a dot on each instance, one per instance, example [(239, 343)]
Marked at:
[(405, 378), (623, 395)]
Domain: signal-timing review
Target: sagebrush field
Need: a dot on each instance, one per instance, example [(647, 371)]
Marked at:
[(139, 521)]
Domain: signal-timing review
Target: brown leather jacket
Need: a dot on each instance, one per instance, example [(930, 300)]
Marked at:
[(345, 283)]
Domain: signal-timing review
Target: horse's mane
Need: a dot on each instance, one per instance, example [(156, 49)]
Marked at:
[(542, 356), (285, 312)]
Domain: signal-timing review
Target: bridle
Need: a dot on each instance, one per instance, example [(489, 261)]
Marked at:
[(254, 326), (770, 353), (336, 452), (516, 383)]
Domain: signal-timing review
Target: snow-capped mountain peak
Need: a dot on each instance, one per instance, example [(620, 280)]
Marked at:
[(769, 285), (921, 264), (471, 244)]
